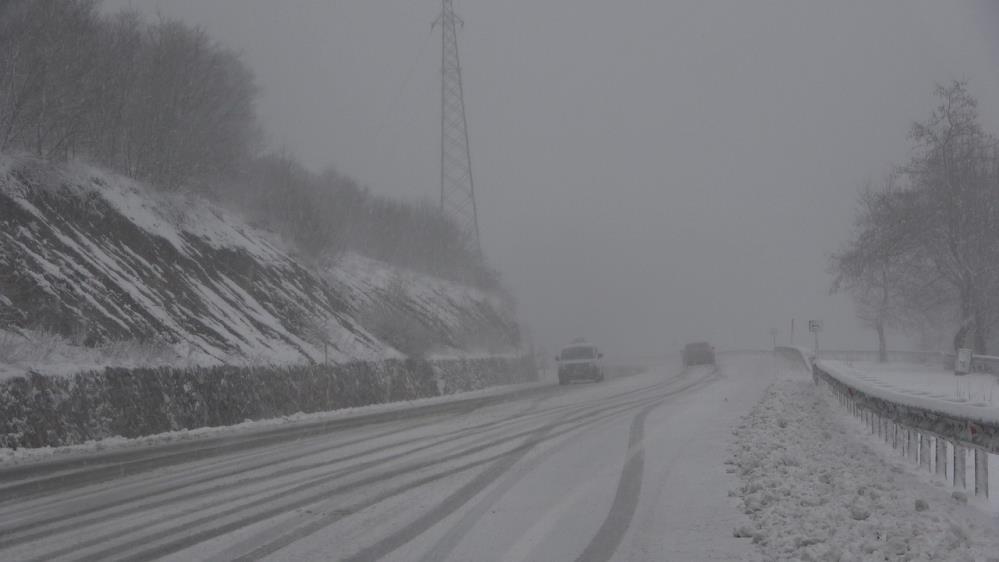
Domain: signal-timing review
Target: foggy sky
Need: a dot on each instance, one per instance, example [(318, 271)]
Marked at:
[(647, 172)]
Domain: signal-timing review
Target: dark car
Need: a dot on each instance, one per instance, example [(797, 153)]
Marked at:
[(580, 360), (698, 353)]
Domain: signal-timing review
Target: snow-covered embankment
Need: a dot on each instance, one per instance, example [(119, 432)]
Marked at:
[(126, 311), (816, 488)]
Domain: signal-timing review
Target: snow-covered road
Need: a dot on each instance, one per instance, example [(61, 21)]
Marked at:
[(630, 469)]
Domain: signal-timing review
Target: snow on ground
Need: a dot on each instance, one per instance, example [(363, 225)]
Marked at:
[(975, 395), (977, 390), (26, 350), (462, 314), (817, 489)]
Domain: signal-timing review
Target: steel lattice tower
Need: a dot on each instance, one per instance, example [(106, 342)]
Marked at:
[(457, 186)]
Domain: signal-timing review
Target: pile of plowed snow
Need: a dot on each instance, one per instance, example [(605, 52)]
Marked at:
[(815, 490)]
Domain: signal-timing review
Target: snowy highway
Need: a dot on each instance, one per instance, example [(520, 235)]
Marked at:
[(629, 469)]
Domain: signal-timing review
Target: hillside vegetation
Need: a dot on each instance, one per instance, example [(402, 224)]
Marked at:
[(163, 103)]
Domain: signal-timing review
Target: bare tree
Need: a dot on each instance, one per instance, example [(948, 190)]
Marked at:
[(873, 268), (46, 73), (118, 67), (164, 103), (932, 244), (193, 115), (954, 175)]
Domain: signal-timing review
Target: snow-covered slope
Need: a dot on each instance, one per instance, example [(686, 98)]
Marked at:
[(445, 318), (97, 258)]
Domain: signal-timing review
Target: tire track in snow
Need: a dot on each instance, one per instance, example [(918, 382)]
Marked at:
[(407, 533), (280, 490), (96, 515), (602, 546), (41, 527), (464, 494), (454, 501), (446, 544), (276, 504), (23, 481)]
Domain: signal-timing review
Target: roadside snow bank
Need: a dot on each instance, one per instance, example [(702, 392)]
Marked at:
[(814, 491)]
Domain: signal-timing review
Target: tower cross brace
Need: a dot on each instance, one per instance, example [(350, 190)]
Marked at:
[(457, 184)]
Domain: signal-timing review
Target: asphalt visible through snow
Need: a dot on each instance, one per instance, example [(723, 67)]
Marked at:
[(628, 469)]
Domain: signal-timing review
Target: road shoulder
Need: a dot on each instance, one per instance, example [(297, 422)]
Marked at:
[(686, 511)]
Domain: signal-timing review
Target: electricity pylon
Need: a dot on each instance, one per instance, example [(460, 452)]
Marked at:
[(457, 185)]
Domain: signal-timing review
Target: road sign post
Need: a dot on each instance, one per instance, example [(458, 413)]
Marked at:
[(815, 326)]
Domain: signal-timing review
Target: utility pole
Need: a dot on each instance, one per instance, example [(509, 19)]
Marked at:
[(457, 185)]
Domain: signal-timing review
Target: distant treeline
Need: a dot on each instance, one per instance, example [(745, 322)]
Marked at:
[(925, 251), (163, 103)]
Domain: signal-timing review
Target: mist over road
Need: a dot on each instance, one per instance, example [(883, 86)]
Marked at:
[(629, 469)]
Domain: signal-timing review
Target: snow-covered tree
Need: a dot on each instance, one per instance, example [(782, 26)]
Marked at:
[(932, 242)]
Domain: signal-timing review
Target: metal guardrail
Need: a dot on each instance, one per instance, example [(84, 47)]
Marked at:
[(983, 364), (918, 433)]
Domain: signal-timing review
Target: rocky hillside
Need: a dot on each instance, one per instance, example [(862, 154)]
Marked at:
[(97, 259)]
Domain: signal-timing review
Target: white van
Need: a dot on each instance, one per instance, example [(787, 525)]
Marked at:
[(580, 360)]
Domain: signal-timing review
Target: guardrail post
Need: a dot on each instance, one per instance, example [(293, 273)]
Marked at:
[(959, 466), (911, 448), (894, 436), (981, 473), (924, 451), (941, 448)]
